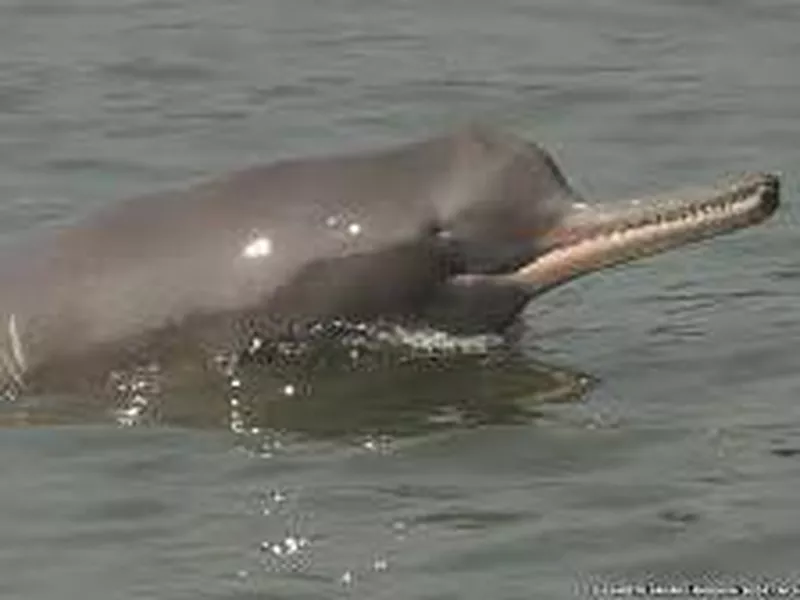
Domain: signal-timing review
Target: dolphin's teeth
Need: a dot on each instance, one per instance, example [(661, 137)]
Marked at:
[(647, 232)]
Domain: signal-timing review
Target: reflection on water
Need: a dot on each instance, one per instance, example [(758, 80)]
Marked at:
[(342, 383)]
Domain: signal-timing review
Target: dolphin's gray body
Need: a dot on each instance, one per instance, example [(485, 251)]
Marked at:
[(457, 232)]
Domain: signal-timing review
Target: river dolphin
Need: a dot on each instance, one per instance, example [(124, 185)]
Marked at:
[(457, 233)]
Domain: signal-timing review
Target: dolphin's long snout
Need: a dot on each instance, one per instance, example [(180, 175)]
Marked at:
[(589, 239)]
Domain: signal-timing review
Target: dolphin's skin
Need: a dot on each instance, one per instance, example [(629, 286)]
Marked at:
[(457, 232)]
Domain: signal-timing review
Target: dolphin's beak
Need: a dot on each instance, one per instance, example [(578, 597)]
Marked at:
[(593, 238)]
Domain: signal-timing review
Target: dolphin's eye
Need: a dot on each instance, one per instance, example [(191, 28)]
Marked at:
[(438, 231), (447, 247)]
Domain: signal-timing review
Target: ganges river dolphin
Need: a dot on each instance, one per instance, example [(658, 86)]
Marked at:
[(457, 233)]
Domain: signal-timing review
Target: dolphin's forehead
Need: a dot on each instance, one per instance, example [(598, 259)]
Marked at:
[(498, 176), (501, 197)]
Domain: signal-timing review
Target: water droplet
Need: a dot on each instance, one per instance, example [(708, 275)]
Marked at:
[(380, 565), (255, 344), (400, 530), (292, 545)]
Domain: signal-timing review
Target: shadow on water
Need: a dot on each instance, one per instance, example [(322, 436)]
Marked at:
[(338, 387)]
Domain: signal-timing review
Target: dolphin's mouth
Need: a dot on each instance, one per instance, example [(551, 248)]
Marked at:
[(589, 239)]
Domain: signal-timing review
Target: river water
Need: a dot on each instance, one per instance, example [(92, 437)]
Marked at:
[(680, 464)]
